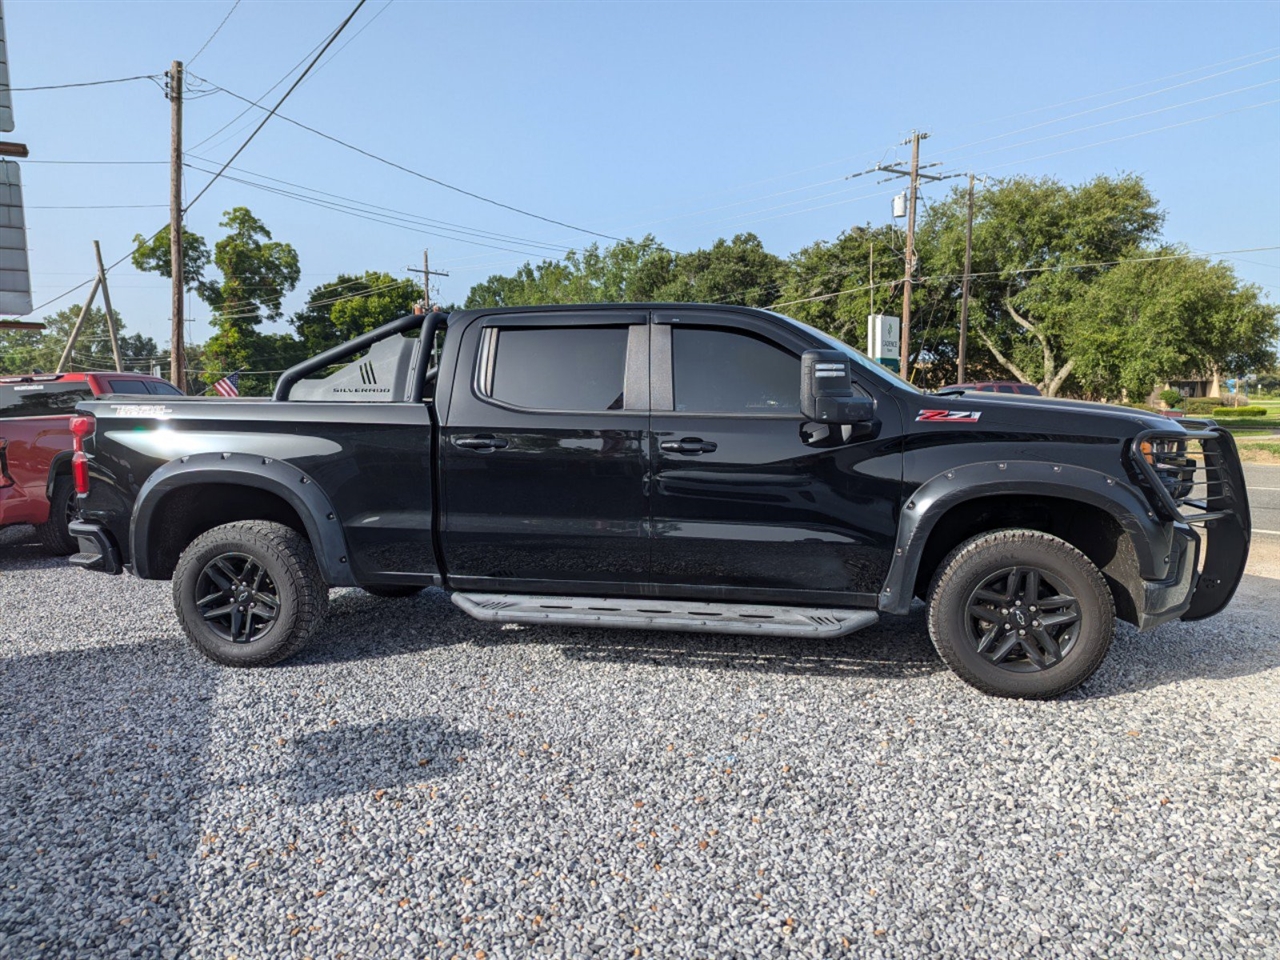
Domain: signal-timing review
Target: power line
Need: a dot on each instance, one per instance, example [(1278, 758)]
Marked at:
[(1048, 269), (1107, 106), (334, 36), (423, 176), (85, 83), (475, 231), (102, 206), (216, 31)]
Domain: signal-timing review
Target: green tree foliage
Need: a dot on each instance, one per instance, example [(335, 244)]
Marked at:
[(153, 256), (1038, 245), (1149, 321), (351, 305), (24, 351)]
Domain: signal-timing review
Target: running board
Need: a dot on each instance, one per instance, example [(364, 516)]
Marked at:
[(641, 614)]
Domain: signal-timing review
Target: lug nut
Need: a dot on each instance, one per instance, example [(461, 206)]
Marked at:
[(1022, 633), (1034, 623), (1017, 603)]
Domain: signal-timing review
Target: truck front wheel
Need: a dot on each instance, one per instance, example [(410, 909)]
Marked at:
[(1020, 613), (249, 593)]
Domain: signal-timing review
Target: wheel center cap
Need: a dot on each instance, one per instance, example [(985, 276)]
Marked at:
[(243, 595), (1021, 617)]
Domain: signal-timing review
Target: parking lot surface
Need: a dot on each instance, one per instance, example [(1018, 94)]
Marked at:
[(419, 784)]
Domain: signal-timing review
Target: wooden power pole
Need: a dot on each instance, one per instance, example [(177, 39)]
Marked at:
[(964, 300), (427, 274), (177, 354)]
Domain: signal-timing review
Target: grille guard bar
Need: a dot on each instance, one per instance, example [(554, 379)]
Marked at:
[(1224, 513)]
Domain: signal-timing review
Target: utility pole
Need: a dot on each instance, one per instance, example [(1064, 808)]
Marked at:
[(916, 176), (911, 256), (964, 301), (177, 353), (427, 274)]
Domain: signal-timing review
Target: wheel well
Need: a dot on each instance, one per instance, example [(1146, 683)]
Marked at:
[(185, 513), (1091, 530)]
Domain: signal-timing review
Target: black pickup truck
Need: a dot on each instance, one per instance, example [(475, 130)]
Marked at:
[(663, 466)]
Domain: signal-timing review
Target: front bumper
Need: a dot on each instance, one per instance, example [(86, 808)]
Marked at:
[(1169, 599), (97, 550)]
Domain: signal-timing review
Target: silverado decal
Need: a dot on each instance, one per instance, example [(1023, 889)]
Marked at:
[(950, 416), (141, 410)]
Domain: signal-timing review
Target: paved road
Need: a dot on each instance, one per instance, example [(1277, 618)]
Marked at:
[(1263, 482)]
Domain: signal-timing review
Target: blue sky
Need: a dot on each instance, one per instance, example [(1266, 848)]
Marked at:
[(687, 120)]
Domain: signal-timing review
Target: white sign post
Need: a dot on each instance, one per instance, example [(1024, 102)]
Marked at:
[(883, 334)]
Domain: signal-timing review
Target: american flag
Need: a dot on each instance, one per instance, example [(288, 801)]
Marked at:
[(229, 386)]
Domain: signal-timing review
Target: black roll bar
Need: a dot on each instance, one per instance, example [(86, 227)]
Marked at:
[(428, 323)]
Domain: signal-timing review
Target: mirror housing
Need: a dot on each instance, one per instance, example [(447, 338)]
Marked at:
[(826, 390)]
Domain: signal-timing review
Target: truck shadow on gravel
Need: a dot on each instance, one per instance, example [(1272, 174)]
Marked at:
[(20, 550), (99, 797), (350, 759)]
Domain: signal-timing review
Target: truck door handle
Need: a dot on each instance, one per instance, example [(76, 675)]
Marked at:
[(480, 443), (689, 445)]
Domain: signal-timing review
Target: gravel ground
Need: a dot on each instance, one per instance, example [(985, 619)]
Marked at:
[(419, 784)]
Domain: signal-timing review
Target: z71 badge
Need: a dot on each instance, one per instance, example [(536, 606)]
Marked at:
[(950, 416)]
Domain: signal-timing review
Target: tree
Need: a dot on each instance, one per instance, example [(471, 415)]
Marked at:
[(1037, 246), (737, 271), (1151, 320), (351, 305), (23, 351), (153, 256), (631, 270)]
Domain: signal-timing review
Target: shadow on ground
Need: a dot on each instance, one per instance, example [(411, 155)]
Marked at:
[(364, 627)]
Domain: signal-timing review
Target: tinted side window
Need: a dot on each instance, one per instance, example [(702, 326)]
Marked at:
[(163, 389), (560, 368), (42, 399), (126, 386), (723, 371)]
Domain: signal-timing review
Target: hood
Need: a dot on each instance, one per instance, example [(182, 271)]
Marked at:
[(1007, 406)]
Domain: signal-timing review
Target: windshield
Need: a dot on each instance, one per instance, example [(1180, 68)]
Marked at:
[(875, 369)]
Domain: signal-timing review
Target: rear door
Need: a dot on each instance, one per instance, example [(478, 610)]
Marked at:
[(544, 456), (749, 500)]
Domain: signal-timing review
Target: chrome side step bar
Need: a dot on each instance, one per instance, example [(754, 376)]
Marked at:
[(681, 615)]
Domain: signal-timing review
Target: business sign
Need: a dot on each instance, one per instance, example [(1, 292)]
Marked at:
[(883, 334), (15, 274), (6, 99)]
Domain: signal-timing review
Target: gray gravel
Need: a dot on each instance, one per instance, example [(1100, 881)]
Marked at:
[(418, 784)]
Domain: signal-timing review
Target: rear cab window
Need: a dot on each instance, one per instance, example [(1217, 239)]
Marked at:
[(41, 399), (126, 386), (578, 369)]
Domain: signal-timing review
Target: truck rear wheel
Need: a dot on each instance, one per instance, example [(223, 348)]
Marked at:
[(1020, 613), (249, 593), (54, 535)]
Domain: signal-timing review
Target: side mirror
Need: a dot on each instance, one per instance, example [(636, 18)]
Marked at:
[(826, 390)]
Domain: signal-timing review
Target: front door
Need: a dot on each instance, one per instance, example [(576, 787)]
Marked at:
[(749, 500), (544, 455)]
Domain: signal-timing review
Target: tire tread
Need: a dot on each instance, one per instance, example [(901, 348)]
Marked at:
[(951, 567), (295, 551)]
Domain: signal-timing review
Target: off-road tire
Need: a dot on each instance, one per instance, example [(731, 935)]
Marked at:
[(971, 565), (54, 535), (287, 558), (392, 591)]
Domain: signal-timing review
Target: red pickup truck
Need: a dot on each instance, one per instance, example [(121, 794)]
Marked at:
[(35, 444)]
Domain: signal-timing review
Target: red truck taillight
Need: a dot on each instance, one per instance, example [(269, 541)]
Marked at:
[(81, 427)]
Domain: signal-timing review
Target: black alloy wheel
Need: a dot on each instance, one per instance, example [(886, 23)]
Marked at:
[(1022, 619), (237, 598), (249, 593), (1020, 613)]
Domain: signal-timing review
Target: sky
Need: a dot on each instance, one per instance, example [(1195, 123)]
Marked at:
[(687, 120)]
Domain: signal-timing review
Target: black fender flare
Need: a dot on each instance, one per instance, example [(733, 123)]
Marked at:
[(249, 470), (61, 463), (932, 499)]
